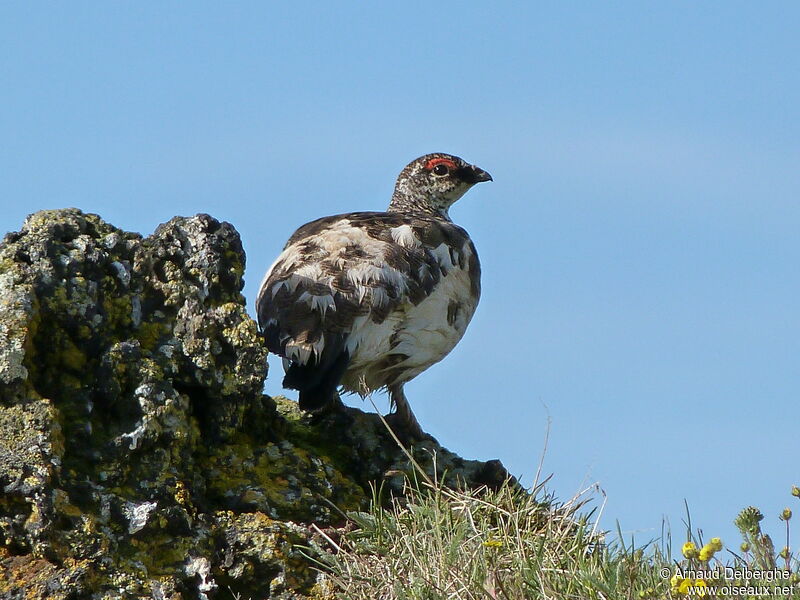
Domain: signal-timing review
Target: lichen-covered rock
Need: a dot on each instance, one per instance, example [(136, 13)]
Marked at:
[(138, 456)]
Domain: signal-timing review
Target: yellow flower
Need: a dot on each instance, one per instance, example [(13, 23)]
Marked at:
[(689, 550), (675, 581), (684, 586), (700, 587), (716, 543), (707, 552)]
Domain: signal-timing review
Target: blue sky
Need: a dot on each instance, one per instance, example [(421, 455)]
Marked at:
[(639, 241)]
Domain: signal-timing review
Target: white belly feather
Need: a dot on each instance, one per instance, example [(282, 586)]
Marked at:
[(422, 333)]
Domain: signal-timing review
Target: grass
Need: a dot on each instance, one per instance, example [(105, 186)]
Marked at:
[(438, 543), (483, 544)]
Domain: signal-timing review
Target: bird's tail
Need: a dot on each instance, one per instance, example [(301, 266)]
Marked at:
[(317, 383)]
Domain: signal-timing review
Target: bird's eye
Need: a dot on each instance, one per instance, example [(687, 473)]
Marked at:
[(440, 169)]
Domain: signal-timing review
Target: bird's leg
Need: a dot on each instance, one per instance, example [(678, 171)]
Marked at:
[(335, 405), (336, 401), (403, 421), (333, 409)]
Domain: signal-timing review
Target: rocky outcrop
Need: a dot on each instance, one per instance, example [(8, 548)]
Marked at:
[(138, 456)]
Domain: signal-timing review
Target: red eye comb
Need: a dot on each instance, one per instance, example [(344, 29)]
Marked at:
[(440, 161)]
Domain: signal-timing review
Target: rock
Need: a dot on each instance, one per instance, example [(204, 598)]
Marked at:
[(138, 456)]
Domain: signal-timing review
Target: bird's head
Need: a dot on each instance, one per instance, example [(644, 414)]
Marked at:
[(432, 183)]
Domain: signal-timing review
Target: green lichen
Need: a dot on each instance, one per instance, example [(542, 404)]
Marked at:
[(137, 452)]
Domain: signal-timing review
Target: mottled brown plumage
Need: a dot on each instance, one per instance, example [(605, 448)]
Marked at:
[(369, 300)]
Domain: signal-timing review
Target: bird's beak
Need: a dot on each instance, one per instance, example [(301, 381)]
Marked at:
[(472, 174)]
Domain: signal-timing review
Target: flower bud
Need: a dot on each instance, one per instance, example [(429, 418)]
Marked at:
[(748, 520), (689, 550), (706, 553)]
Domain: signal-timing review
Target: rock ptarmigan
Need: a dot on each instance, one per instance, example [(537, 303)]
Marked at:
[(369, 300)]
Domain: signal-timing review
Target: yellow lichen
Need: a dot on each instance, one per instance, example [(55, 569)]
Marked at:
[(71, 356)]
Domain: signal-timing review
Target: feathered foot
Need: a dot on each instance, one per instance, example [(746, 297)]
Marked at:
[(402, 419), (332, 408)]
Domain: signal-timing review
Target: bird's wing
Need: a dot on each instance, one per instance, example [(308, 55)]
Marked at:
[(337, 269)]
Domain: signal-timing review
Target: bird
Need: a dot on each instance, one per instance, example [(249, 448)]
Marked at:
[(366, 301)]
